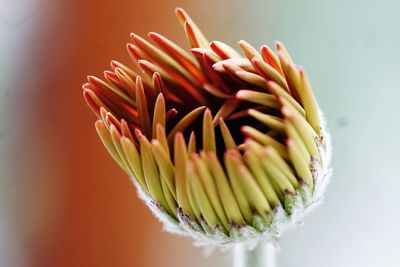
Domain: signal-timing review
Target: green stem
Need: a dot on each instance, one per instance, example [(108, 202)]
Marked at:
[(262, 256)]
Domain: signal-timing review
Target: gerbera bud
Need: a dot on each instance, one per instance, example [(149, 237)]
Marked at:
[(222, 147)]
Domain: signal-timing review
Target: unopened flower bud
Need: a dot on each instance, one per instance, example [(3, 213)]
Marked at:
[(222, 147)]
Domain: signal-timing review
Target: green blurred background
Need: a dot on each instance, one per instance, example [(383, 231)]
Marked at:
[(65, 203)]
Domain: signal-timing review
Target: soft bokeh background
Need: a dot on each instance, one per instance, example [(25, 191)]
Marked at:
[(65, 203)]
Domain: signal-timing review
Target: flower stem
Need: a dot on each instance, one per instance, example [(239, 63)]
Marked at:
[(261, 256)]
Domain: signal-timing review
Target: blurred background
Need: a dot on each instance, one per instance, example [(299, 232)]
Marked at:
[(64, 202)]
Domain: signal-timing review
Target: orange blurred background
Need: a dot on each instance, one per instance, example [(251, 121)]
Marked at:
[(77, 208)]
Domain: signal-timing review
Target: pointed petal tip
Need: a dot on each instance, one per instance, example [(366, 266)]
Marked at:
[(91, 78), (244, 128), (125, 139), (179, 136), (138, 132), (114, 64), (255, 60), (133, 36), (99, 123), (289, 142), (113, 129), (188, 27), (86, 86), (155, 142), (271, 84), (181, 13), (179, 10)]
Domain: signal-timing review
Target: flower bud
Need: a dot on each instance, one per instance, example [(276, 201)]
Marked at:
[(222, 147)]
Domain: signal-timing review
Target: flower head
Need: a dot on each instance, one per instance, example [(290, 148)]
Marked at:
[(222, 147)]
